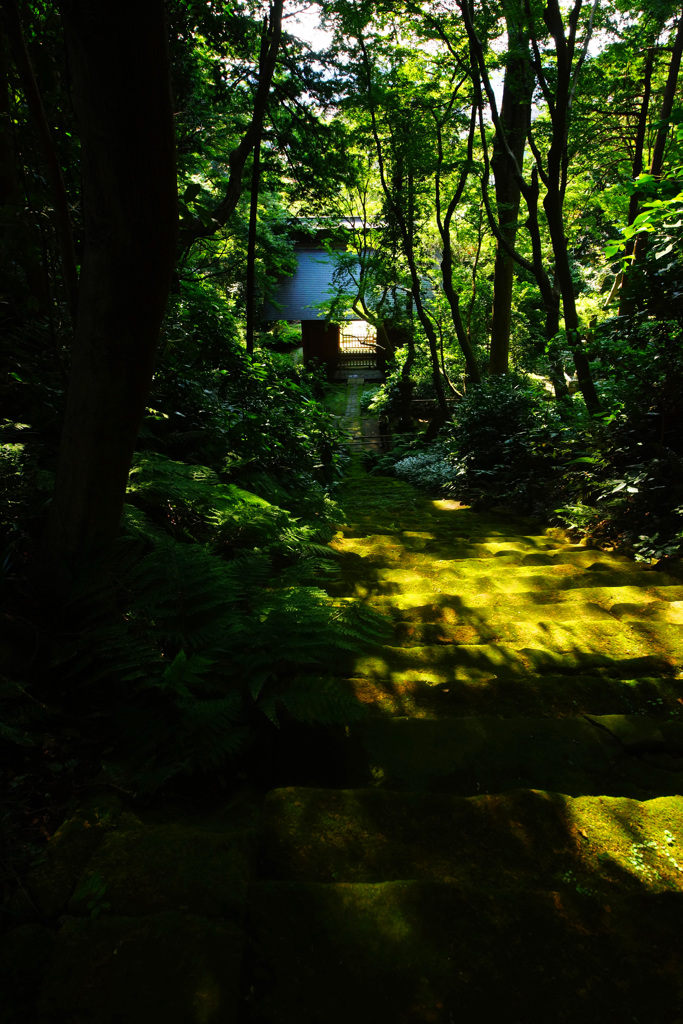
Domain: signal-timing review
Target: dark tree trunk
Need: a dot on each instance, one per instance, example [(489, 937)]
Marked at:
[(121, 84), (641, 242), (553, 210), (405, 220), (19, 238), (555, 181), (515, 114), (53, 169), (637, 168), (250, 290), (409, 333), (270, 48), (444, 224)]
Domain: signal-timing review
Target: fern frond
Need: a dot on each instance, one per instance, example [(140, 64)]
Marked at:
[(322, 700), (183, 673), (155, 479), (18, 713), (212, 732), (268, 707), (191, 597)]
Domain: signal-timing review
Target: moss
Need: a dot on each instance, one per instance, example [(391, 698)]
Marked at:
[(408, 951), (24, 954), (144, 869), (51, 884), (175, 968), (524, 839)]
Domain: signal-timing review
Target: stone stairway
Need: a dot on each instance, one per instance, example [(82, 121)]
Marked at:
[(504, 839), (507, 839)]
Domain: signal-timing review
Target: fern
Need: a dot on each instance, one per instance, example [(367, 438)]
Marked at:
[(183, 673), (188, 594), (18, 713), (322, 700), (192, 502), (213, 730), (157, 480), (201, 649)]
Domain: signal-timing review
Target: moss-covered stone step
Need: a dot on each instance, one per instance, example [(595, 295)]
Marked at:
[(473, 755), (610, 636), (622, 602), (546, 695), (108, 858), (524, 839), (472, 582), (626, 657), (427, 550), (174, 967), (422, 951), (145, 918), (387, 547)]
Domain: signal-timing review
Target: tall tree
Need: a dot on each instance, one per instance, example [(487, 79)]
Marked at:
[(121, 88), (558, 84), (204, 227), (628, 303), (515, 117)]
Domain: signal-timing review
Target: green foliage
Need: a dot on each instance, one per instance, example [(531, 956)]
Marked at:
[(388, 396), (500, 441), (228, 645), (494, 420), (250, 416), (617, 478), (431, 468), (91, 891), (208, 628), (19, 715)]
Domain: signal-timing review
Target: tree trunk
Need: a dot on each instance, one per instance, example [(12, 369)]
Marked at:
[(19, 237), (53, 169), (472, 369), (121, 84), (515, 114), (250, 291), (636, 169), (553, 209), (555, 181), (641, 242), (270, 47), (473, 375)]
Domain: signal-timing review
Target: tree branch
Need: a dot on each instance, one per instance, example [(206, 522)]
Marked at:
[(270, 46), (52, 163)]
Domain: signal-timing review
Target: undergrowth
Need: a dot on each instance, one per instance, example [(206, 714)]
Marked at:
[(615, 477), (209, 624)]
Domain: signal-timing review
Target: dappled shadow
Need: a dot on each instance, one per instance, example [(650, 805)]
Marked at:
[(477, 596), (514, 843), (420, 906)]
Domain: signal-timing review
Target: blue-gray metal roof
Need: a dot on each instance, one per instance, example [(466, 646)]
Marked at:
[(295, 297)]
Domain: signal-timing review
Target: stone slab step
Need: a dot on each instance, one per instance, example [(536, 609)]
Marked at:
[(172, 967), (442, 663), (470, 756), (524, 839), (546, 695), (500, 585), (603, 633), (625, 602), (416, 951), (420, 552)]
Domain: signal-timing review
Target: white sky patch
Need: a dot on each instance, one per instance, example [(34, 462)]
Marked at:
[(305, 24)]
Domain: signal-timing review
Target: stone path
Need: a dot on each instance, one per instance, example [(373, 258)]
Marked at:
[(503, 839), (506, 841), (362, 431)]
